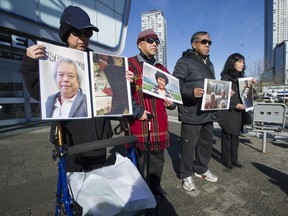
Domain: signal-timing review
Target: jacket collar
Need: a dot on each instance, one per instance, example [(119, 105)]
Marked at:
[(141, 58)]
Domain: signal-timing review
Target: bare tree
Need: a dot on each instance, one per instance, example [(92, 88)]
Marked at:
[(281, 79), (255, 69)]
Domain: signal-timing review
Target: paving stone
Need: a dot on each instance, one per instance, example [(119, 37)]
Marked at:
[(28, 177)]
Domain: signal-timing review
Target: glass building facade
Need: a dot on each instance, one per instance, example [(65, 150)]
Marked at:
[(276, 31)]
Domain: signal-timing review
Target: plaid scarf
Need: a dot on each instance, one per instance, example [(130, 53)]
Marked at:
[(159, 136)]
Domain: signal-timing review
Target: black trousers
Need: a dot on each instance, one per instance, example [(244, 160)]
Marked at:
[(229, 147), (155, 166), (196, 148)]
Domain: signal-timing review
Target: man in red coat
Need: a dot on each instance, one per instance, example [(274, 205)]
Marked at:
[(147, 43)]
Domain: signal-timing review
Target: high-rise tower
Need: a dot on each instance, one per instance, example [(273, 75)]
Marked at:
[(154, 19), (276, 31)]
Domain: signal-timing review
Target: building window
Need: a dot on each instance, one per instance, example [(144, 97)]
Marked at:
[(12, 111), (10, 80)]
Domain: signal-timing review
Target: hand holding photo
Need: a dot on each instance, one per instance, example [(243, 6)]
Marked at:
[(111, 94), (217, 95), (246, 92), (66, 92), (160, 84), (64, 83)]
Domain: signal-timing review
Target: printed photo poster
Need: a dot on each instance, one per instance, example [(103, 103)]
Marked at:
[(160, 84), (111, 92), (217, 95), (64, 83), (246, 92)]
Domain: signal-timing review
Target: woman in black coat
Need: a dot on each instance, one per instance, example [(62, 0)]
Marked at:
[(231, 120), (75, 132)]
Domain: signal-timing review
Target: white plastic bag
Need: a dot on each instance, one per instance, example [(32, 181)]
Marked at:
[(111, 190)]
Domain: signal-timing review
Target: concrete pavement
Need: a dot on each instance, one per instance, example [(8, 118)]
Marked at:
[(28, 176)]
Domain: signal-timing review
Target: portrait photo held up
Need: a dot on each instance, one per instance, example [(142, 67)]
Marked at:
[(160, 84), (64, 80), (111, 92), (216, 95), (64, 83), (246, 92)]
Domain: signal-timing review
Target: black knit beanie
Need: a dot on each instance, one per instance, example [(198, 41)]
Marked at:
[(64, 30)]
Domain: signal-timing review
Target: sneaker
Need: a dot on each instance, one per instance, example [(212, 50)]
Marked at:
[(208, 176), (188, 184)]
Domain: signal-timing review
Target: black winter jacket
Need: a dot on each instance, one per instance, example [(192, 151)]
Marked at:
[(191, 71), (231, 120)]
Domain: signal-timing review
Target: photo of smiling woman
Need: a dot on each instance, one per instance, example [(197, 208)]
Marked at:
[(70, 101), (160, 88)]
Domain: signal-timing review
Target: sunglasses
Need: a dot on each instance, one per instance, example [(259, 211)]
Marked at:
[(152, 40), (86, 33), (205, 41)]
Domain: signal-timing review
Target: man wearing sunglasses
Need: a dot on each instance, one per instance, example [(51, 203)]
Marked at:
[(197, 126), (147, 44), (75, 31)]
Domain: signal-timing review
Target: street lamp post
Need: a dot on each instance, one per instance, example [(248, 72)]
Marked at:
[(285, 75)]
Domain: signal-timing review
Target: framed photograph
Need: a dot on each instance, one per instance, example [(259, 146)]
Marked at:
[(217, 95), (111, 92), (246, 92), (160, 84), (64, 83)]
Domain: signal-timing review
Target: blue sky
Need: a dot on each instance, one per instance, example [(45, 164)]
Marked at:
[(234, 26)]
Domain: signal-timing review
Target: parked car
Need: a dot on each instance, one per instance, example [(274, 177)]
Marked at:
[(271, 99)]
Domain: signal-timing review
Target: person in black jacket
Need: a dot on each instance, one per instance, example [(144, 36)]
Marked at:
[(75, 31), (231, 121), (197, 126)]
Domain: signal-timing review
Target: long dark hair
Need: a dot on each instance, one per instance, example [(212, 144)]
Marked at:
[(229, 67)]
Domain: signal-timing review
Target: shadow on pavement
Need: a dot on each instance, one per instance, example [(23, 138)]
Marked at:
[(11, 128), (166, 208), (281, 145), (248, 143), (216, 155), (277, 178), (174, 152)]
